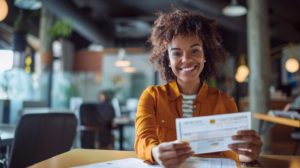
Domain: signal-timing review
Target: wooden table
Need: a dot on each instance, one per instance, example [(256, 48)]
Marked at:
[(80, 157), (273, 121)]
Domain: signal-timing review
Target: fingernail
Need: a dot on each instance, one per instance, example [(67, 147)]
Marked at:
[(230, 146), (239, 133), (233, 137)]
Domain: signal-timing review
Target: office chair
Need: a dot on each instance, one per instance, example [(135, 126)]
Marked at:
[(41, 136), (96, 125)]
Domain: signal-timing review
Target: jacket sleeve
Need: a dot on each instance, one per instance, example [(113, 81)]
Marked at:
[(145, 125), (230, 108)]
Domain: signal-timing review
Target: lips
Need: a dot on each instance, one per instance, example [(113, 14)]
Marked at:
[(190, 68)]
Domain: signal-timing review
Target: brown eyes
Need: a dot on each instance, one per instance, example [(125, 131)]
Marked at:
[(178, 54), (195, 51)]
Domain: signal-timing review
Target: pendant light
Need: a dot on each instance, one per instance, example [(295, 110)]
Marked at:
[(242, 70), (234, 9), (122, 62), (291, 65), (3, 10), (129, 69), (28, 4)]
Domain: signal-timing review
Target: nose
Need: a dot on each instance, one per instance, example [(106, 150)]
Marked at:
[(186, 57)]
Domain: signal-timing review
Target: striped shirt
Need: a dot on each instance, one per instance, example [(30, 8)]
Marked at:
[(187, 105)]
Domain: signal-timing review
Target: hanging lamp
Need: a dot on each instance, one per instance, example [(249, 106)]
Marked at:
[(242, 70), (234, 9), (3, 9), (122, 62), (291, 65)]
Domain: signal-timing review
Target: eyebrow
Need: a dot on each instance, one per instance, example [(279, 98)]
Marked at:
[(195, 45), (175, 49)]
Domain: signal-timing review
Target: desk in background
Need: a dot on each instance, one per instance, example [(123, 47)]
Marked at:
[(7, 133), (120, 123), (273, 121), (279, 133), (80, 157)]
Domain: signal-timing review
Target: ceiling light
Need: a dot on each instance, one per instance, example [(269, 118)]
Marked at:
[(239, 78), (234, 9), (292, 65), (95, 48), (3, 10), (243, 70), (28, 4), (122, 62), (129, 69)]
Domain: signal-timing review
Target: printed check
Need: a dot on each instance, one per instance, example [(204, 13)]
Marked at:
[(212, 133)]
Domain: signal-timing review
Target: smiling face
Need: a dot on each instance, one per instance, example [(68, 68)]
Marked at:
[(186, 57)]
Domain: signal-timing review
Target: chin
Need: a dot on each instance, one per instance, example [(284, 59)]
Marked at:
[(189, 79)]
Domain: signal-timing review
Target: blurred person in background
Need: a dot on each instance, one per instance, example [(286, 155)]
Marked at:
[(293, 105), (186, 48), (104, 97)]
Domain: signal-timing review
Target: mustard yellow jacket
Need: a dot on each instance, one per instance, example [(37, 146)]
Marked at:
[(158, 108)]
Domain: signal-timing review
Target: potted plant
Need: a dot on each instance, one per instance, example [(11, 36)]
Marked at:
[(5, 102)]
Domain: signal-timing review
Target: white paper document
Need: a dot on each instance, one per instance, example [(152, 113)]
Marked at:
[(195, 162), (192, 162), (212, 133), (123, 163)]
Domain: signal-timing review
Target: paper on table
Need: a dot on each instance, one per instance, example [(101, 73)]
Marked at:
[(124, 163), (192, 162), (212, 133)]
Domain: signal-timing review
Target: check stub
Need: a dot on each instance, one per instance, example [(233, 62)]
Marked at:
[(212, 133)]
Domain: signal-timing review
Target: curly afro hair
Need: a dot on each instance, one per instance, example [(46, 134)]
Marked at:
[(183, 22)]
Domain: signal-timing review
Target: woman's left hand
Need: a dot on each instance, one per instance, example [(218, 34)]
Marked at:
[(251, 149)]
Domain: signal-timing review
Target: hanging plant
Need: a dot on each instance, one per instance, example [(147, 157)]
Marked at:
[(61, 28)]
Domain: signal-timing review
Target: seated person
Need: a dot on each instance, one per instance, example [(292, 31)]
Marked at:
[(294, 105), (186, 48)]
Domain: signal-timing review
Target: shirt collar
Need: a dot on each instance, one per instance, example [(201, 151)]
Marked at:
[(175, 93)]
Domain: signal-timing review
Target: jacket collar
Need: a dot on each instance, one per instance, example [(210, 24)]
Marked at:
[(175, 93)]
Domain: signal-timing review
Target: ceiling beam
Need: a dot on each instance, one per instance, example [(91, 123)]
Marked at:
[(82, 24)]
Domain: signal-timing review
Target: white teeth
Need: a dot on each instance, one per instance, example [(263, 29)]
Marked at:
[(188, 69)]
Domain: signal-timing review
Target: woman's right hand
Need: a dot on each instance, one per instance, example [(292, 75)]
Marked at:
[(171, 154)]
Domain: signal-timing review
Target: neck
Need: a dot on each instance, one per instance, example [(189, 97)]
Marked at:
[(189, 88)]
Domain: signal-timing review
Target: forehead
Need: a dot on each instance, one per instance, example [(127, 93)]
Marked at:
[(184, 41)]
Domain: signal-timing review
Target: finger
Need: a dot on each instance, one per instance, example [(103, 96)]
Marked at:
[(176, 165), (174, 153), (170, 162), (247, 146), (245, 153), (249, 132), (250, 139), (183, 157), (177, 160), (172, 146)]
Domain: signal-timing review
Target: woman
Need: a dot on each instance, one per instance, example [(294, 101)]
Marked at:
[(186, 47)]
